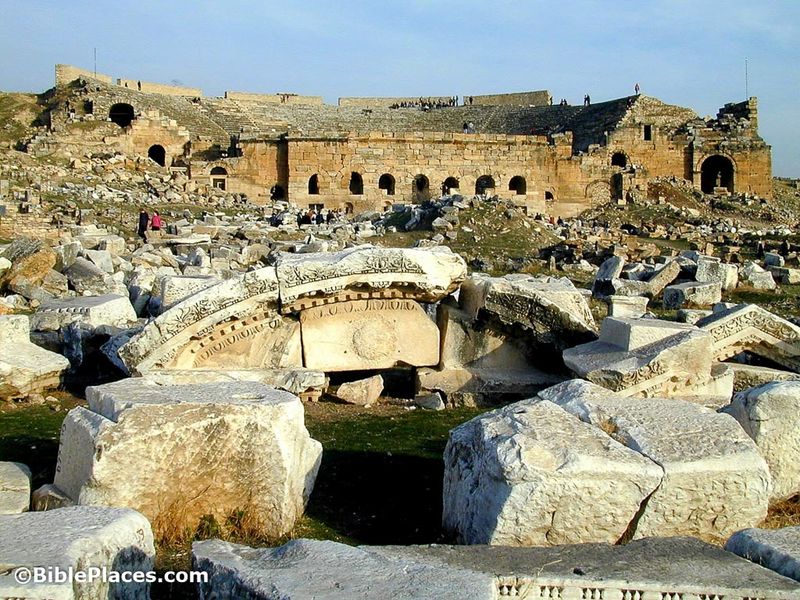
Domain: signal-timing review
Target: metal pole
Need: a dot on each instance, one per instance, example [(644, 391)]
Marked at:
[(746, 81), (95, 62)]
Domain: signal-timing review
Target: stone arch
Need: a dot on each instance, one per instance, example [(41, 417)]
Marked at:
[(277, 192), (484, 183), (356, 185), (219, 177), (122, 114), (717, 171), (157, 154), (598, 192), (619, 159), (451, 183), (518, 185), (421, 188), (386, 183), (313, 185)]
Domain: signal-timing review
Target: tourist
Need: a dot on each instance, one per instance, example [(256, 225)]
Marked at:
[(144, 220), (636, 89), (320, 218), (155, 222)]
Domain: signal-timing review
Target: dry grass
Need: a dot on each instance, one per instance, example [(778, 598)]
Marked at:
[(785, 513)]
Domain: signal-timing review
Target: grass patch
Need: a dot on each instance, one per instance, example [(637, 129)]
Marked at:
[(29, 434)]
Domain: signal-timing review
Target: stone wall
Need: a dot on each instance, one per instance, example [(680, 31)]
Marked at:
[(274, 98), (67, 73), (17, 223), (540, 98), (159, 88)]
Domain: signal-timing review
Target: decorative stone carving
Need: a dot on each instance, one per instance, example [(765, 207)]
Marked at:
[(427, 275), (652, 569), (646, 357), (748, 327), (94, 311), (368, 334), (167, 337)]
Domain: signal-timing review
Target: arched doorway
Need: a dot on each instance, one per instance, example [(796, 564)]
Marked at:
[(219, 177), (618, 159), (276, 192), (348, 208), (549, 197), (449, 184), (122, 114), (484, 183), (386, 183), (313, 185), (421, 188), (518, 185), (356, 184), (157, 154), (717, 172)]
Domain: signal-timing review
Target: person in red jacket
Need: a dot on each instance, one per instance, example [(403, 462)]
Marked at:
[(155, 221)]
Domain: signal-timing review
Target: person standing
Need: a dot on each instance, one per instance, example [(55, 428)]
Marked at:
[(155, 222), (636, 89), (144, 221)]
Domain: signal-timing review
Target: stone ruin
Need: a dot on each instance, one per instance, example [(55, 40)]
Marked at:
[(200, 428)]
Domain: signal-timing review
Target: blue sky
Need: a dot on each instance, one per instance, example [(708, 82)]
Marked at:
[(690, 53)]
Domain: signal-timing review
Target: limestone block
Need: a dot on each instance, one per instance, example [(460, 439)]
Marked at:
[(714, 480), (551, 310), (756, 277), (101, 259), (176, 288), (775, 549), (94, 311), (652, 569), (364, 392), (627, 306), (297, 381), (645, 357), (471, 386), (84, 275), (770, 414), (429, 401), (25, 368), (773, 259), (752, 328), (711, 269), (15, 488), (663, 277), (112, 243), (303, 569), (78, 538), (368, 334), (176, 453), (467, 342), (610, 269), (691, 293), (521, 476), (426, 274), (785, 275), (749, 376)]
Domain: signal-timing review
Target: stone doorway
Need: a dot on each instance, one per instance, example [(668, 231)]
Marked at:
[(386, 183), (421, 189), (157, 154), (356, 186), (518, 185), (484, 184), (122, 114), (717, 172)]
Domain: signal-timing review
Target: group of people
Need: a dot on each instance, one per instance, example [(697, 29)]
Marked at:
[(313, 217), (427, 104), (155, 223)]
